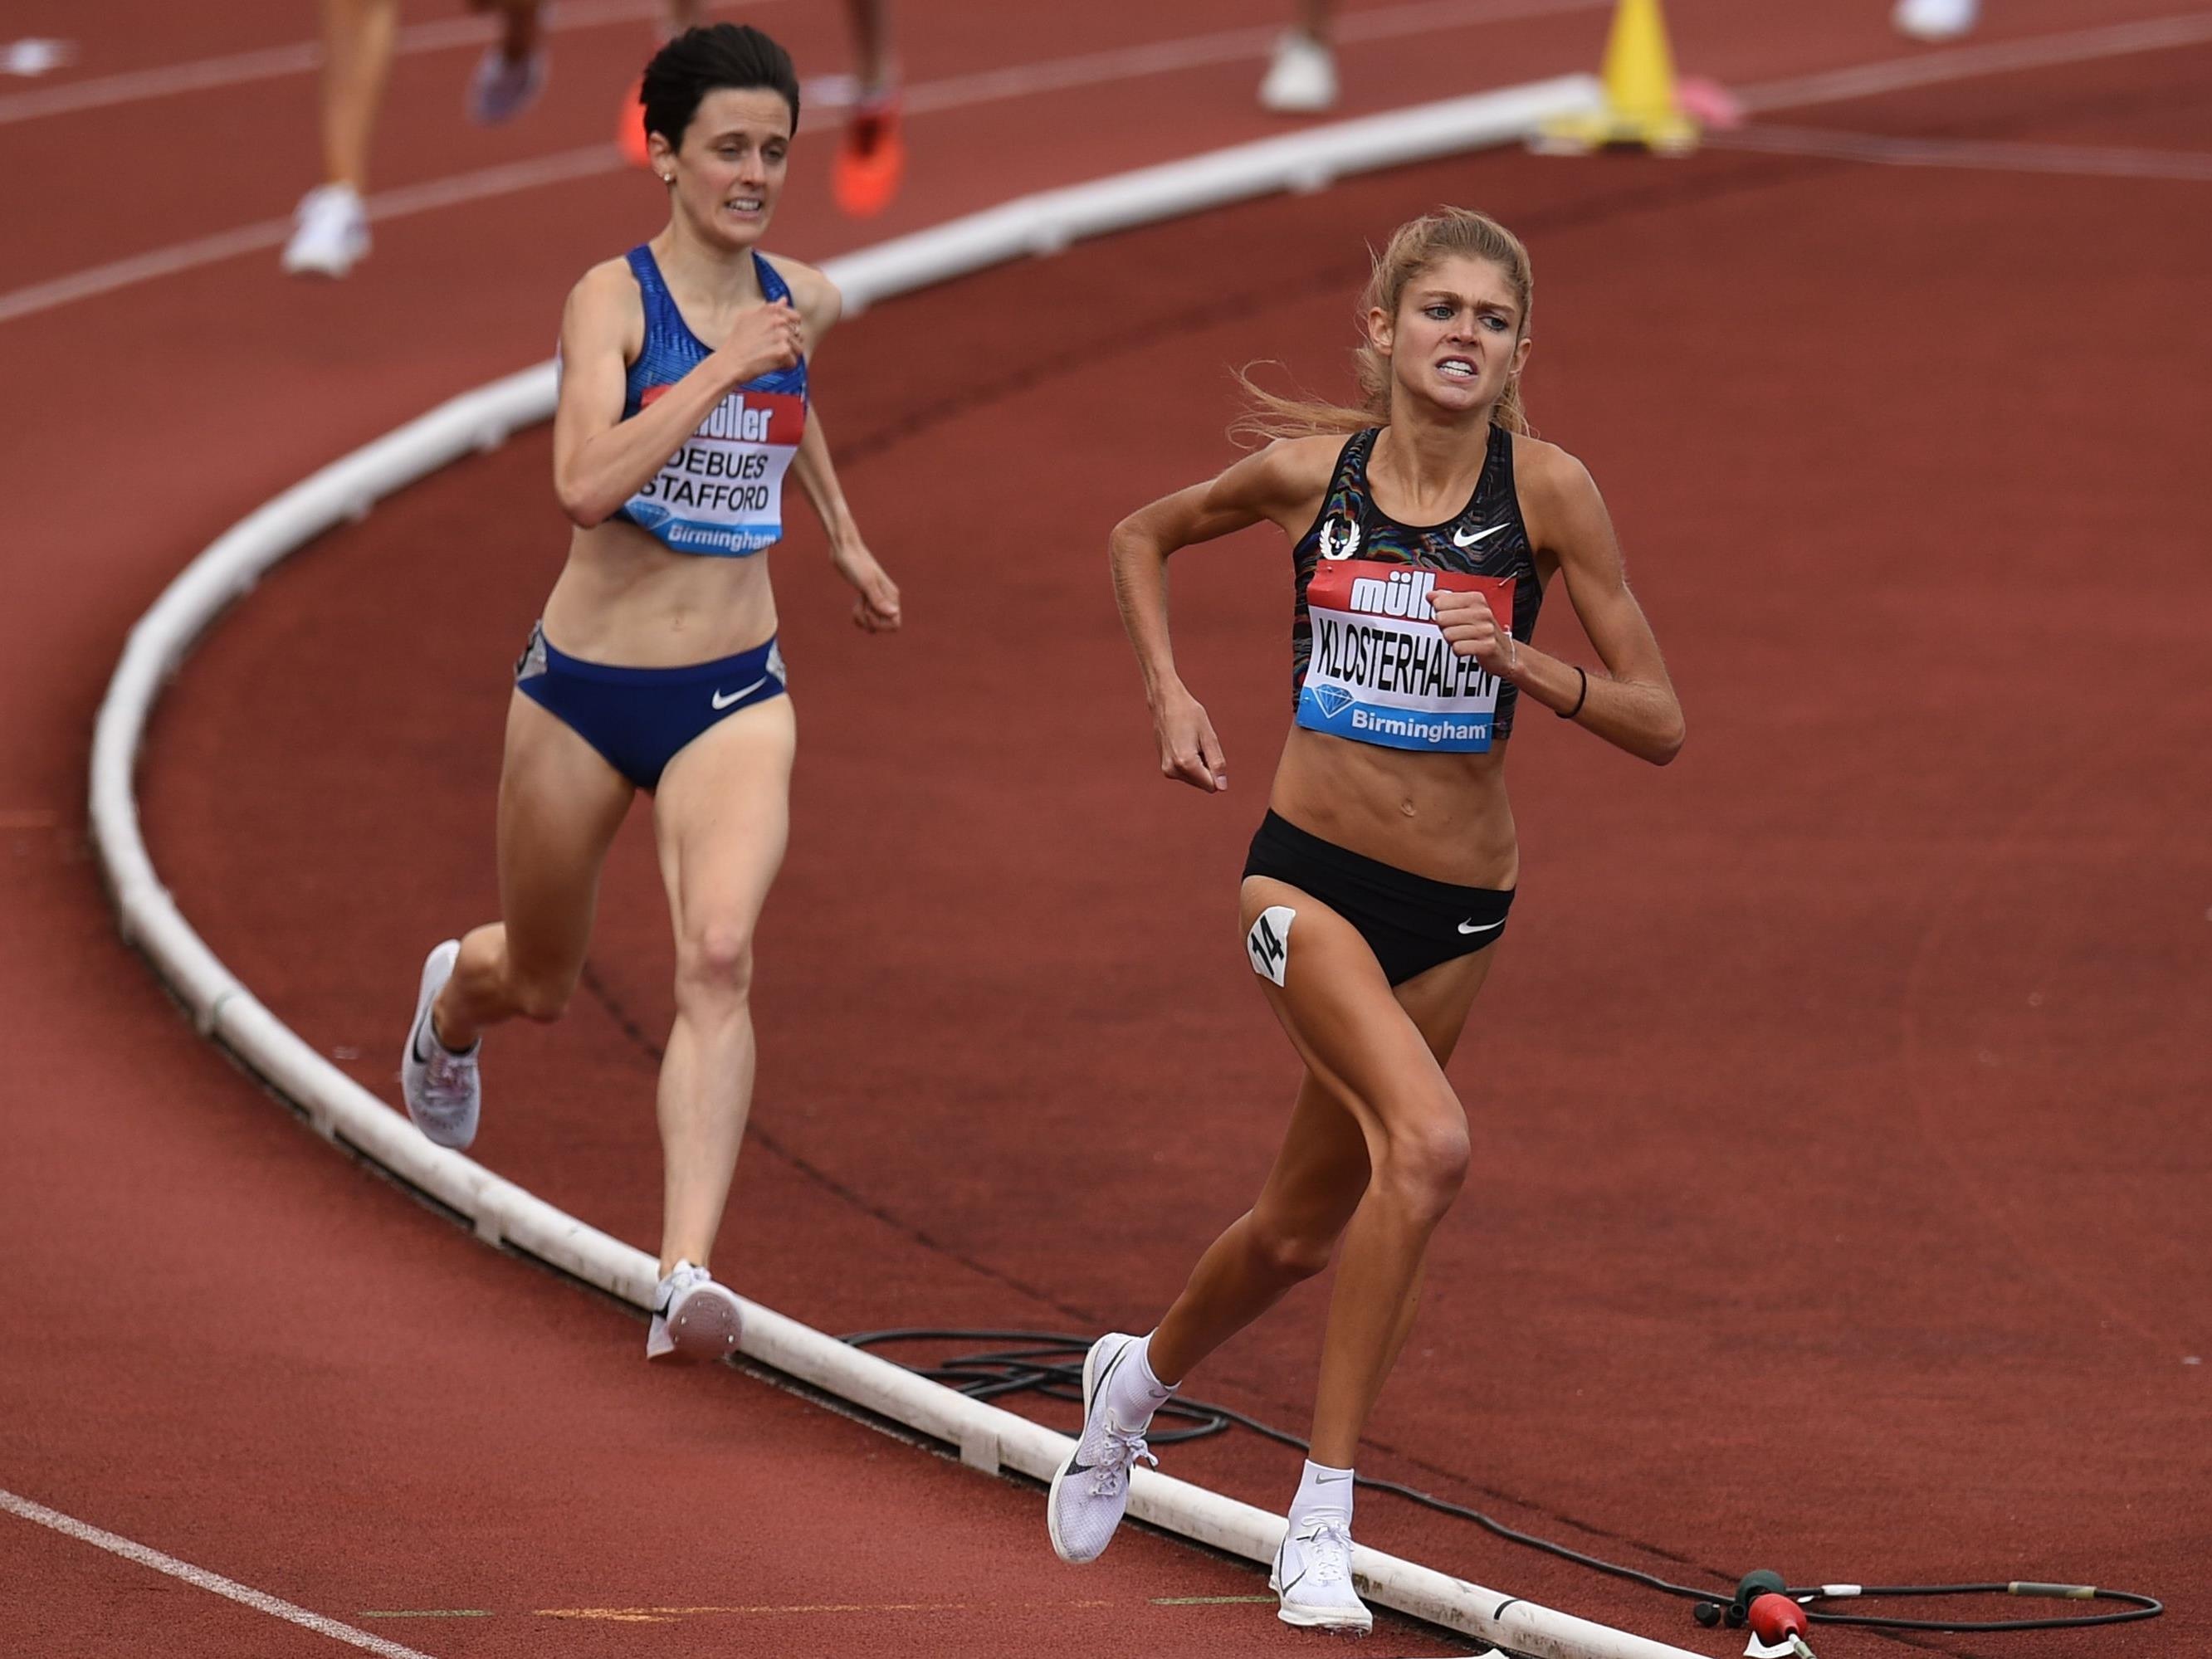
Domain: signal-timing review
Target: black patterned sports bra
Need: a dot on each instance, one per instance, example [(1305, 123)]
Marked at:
[(1368, 661)]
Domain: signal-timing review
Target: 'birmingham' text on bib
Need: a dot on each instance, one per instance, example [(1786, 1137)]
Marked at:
[(722, 492), (1381, 670)]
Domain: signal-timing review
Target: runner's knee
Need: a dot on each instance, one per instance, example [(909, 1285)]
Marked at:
[(714, 963), (1423, 1168)]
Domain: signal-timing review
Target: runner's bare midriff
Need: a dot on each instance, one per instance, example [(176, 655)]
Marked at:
[(624, 598), (1445, 816)]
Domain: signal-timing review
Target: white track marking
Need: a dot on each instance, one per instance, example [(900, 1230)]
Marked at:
[(304, 58), (214, 1582), (958, 92), (272, 232), (964, 91), (2080, 160), (1228, 46), (1967, 63)]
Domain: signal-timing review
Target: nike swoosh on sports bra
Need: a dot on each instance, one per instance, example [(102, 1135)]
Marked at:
[(1368, 661), (722, 492)]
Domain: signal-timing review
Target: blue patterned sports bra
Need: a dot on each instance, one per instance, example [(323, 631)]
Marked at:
[(722, 492)]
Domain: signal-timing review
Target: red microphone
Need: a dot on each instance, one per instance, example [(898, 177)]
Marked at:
[(1776, 1620)]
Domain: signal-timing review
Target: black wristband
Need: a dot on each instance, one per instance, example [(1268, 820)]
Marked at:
[(1569, 714)]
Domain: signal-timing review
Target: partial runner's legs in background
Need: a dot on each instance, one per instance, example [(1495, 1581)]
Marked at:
[(331, 227), (677, 17), (1302, 79), (511, 72), (1935, 20), (871, 157)]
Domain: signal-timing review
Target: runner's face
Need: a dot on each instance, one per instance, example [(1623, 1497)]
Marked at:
[(730, 171), (1456, 339)]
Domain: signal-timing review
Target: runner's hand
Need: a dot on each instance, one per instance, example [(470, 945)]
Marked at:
[(1471, 628), (764, 339), (876, 610), (1189, 752)]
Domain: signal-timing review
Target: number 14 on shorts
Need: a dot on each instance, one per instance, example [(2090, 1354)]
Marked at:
[(1269, 944)]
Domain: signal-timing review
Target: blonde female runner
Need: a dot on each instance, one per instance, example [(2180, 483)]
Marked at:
[(1425, 529)]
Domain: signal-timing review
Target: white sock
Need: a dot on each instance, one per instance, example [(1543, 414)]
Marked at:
[(1132, 1392), (1324, 1494)]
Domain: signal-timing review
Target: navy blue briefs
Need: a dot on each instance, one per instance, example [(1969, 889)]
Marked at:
[(639, 718)]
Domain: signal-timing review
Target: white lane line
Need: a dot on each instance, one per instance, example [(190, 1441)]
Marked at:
[(272, 232), (927, 97), (2076, 159), (1965, 63), (1227, 46), (215, 1583), (966, 91), (303, 57)]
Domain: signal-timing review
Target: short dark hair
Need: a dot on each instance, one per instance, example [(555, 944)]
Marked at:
[(704, 60)]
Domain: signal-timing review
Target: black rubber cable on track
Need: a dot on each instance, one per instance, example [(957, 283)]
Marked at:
[(1050, 1364)]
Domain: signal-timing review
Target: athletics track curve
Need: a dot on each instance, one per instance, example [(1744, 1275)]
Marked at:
[(1967, 1302)]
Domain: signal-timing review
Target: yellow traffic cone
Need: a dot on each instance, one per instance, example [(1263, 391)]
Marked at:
[(1640, 106)]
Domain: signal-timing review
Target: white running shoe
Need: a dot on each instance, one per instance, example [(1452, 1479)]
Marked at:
[(1302, 81), (1934, 20), (443, 1091), (1090, 1495), (501, 88), (1313, 1575), (693, 1317), (330, 233)]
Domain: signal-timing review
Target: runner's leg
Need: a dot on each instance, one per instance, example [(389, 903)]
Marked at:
[(1318, 1178), (1361, 1042), (721, 820), (560, 803), (358, 37)]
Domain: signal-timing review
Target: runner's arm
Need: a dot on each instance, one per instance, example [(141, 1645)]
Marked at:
[(1632, 704), (1270, 483), (877, 608), (601, 460)]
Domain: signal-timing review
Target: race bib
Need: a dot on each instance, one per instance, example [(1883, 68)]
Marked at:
[(723, 491), (1380, 671)]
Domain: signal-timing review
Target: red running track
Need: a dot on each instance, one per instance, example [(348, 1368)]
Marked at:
[(1930, 945)]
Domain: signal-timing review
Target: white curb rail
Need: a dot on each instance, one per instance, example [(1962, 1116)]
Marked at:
[(987, 1437)]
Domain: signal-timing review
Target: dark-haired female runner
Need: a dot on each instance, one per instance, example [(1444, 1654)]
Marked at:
[(1379, 883), (683, 400)]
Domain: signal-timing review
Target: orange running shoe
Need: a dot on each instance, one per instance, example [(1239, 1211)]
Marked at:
[(630, 126), (870, 159)]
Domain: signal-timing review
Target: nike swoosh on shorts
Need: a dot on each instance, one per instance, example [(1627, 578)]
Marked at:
[(722, 702)]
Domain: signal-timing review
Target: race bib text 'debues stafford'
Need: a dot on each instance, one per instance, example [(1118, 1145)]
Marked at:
[(1381, 670), (722, 492)]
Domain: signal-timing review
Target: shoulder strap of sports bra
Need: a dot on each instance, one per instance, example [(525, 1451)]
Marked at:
[(1499, 462), (773, 287), (660, 305), (1352, 461)]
